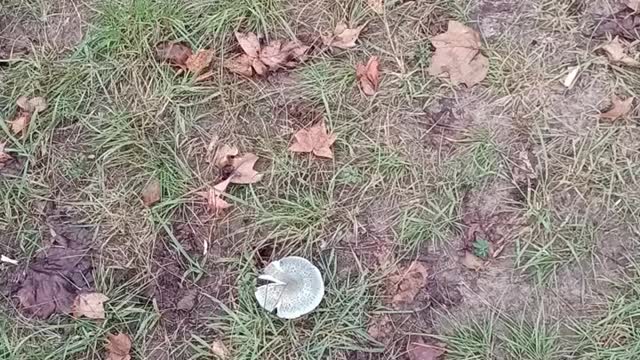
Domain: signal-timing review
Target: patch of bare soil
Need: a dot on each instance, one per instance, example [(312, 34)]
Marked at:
[(54, 25)]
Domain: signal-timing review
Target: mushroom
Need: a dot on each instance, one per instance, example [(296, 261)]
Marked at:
[(295, 289)]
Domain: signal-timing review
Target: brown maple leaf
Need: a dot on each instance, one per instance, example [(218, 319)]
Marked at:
[(118, 347), (243, 169), (90, 305), (369, 76), (260, 60), (343, 37), (619, 108), (616, 51), (199, 61), (407, 283), (215, 202), (458, 56), (314, 140), (151, 193), (173, 53)]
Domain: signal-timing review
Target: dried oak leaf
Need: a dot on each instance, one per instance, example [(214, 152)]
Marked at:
[(151, 193), (199, 61), (173, 53), (4, 157), (343, 37), (619, 108), (243, 169), (54, 278), (369, 76), (314, 140), (458, 55), (90, 305), (407, 283), (118, 347), (616, 51), (215, 202), (418, 350), (223, 155)]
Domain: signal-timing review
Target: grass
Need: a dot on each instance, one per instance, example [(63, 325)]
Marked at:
[(117, 119)]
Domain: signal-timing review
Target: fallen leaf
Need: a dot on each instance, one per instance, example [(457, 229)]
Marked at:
[(343, 37), (571, 77), (90, 305), (20, 123), (244, 172), (214, 202), (315, 140), (242, 65), (458, 55), (633, 4), (249, 43), (472, 262), (199, 61), (4, 157), (369, 76), (174, 53), (151, 193), (219, 349), (376, 5), (619, 108), (118, 347), (223, 155), (421, 351), (277, 55), (188, 301), (616, 52), (53, 279), (407, 283)]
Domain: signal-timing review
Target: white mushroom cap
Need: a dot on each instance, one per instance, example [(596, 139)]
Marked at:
[(296, 287)]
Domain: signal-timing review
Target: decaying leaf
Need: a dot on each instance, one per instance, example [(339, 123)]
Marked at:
[(343, 37), (223, 155), (173, 53), (369, 76), (418, 350), (243, 169), (220, 350), (619, 108), (118, 347), (215, 202), (314, 140), (616, 51), (199, 61), (90, 305), (54, 278), (407, 283), (458, 55), (260, 60), (151, 193), (376, 5), (472, 262)]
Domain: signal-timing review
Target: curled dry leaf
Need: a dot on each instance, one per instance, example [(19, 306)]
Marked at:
[(260, 60), (173, 53), (458, 55), (220, 350), (151, 193), (619, 108), (418, 350), (199, 61), (243, 169), (343, 37), (369, 76), (407, 283), (616, 51), (118, 347), (215, 202), (90, 305), (314, 140)]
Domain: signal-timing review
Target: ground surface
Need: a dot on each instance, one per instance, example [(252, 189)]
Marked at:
[(421, 172)]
